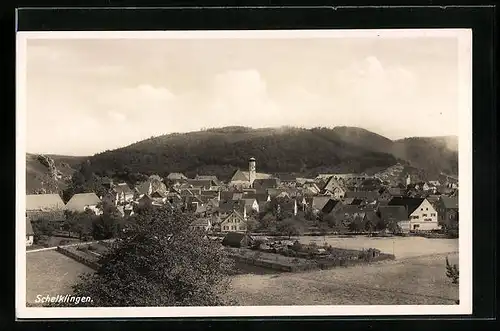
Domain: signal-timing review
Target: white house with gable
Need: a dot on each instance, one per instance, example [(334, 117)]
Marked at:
[(422, 216)]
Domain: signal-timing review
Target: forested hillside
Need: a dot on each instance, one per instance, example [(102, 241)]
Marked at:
[(221, 151)]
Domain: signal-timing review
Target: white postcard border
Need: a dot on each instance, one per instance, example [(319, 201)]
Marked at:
[(465, 176)]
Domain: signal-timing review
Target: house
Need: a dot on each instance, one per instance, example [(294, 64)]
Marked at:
[(334, 189), (227, 207), (370, 184), (150, 186), (42, 204), (204, 184), (434, 183), (265, 183), (176, 177), (212, 204), (301, 181), (159, 197), (310, 189), (81, 202), (318, 203), (234, 239), (226, 195), (434, 200), (214, 179), (29, 233), (251, 205), (124, 193), (233, 222), (353, 201), (421, 214), (359, 177), (387, 193), (184, 192), (260, 196), (202, 224), (191, 203), (367, 196), (282, 192), (448, 211), (211, 194), (331, 207), (246, 178), (395, 214), (287, 179)]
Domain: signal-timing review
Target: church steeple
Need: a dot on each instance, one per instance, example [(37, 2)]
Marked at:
[(251, 170), (408, 180)]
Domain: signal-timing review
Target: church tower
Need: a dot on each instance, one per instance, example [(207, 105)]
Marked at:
[(408, 180), (251, 170)]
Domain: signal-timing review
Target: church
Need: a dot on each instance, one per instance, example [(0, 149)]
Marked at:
[(246, 178)]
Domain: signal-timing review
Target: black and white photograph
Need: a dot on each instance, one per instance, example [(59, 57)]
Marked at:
[(244, 173)]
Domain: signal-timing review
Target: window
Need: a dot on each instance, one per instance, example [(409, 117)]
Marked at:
[(426, 208), (414, 217), (433, 214), (424, 215), (421, 209)]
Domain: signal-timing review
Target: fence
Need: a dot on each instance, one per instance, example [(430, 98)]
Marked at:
[(262, 263)]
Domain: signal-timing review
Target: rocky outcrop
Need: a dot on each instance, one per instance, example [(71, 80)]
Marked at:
[(49, 163)]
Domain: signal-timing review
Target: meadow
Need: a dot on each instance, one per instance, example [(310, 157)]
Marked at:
[(411, 281), (51, 273)]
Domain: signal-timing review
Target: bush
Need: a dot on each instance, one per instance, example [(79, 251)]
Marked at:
[(92, 248), (82, 248), (452, 272), (297, 246), (63, 242)]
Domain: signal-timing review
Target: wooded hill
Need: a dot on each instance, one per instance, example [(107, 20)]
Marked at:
[(306, 152)]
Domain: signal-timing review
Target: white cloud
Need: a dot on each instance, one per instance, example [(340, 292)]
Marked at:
[(116, 116), (240, 93)]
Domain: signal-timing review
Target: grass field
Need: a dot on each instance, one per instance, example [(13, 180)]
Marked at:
[(411, 281), (50, 272), (413, 278)]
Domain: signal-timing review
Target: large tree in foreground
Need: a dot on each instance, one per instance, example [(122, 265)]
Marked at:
[(160, 261)]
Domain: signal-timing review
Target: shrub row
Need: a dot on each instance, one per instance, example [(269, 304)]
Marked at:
[(80, 257)]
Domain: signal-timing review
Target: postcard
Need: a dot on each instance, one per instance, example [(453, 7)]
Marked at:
[(244, 173)]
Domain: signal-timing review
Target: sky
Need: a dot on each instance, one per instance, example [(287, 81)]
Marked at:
[(85, 96)]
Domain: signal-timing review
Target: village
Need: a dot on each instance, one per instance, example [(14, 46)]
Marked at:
[(335, 203), (265, 222)]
